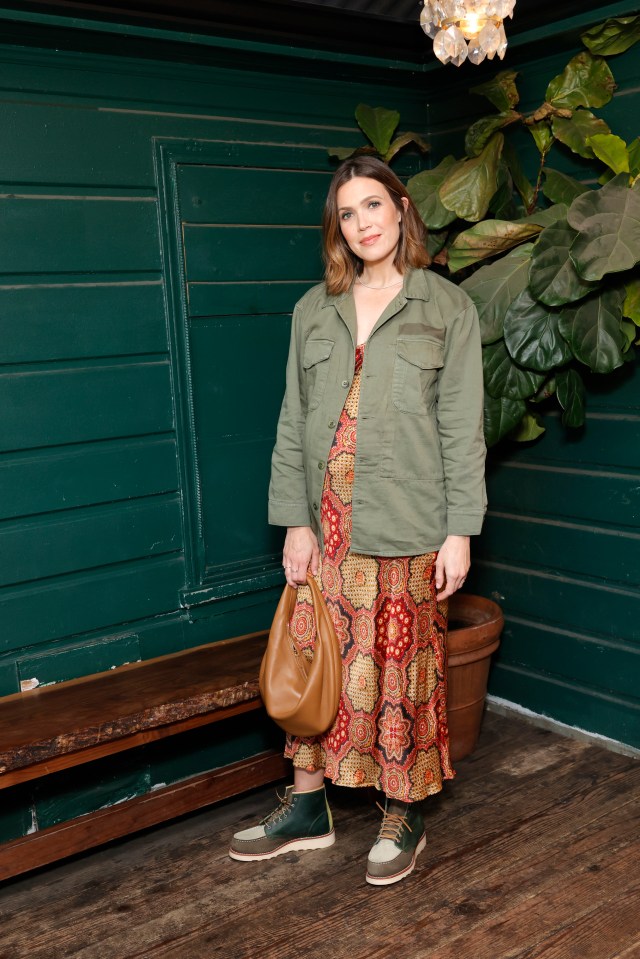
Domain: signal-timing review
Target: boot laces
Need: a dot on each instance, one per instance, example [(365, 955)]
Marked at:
[(392, 825), (285, 804)]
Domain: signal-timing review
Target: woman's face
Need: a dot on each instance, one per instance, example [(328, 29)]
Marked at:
[(369, 220)]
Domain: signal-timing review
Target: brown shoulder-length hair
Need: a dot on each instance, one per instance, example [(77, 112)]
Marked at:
[(342, 266)]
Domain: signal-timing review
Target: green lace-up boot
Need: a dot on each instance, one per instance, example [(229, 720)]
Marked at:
[(400, 841), (301, 821)]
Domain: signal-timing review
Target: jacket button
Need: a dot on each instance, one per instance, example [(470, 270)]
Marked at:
[(345, 383), (315, 505), (320, 465), (332, 424)]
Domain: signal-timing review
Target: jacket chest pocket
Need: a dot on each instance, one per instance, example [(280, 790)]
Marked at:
[(415, 374), (315, 363)]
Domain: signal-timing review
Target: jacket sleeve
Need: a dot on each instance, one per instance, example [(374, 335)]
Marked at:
[(460, 425), (288, 504)]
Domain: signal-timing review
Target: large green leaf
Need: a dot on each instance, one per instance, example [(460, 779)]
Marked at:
[(586, 81), (543, 218), (532, 335), (613, 36), (436, 239), (608, 221), (501, 415), (631, 305), (612, 150), (570, 392), (488, 239), (552, 277), (542, 134), (480, 132), (520, 181), (529, 428), (592, 329), (378, 124), (629, 332), (561, 188), (503, 377), (404, 140), (634, 156), (501, 91), (468, 189), (502, 205), (495, 286), (423, 188), (575, 132)]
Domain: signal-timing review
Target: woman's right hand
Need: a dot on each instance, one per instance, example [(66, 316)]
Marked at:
[(301, 550)]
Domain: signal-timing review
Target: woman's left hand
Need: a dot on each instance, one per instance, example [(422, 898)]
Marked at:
[(452, 565)]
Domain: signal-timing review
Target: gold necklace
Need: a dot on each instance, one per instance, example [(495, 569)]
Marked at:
[(387, 287)]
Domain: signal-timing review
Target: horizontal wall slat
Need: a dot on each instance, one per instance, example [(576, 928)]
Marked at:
[(77, 404), (130, 83), (74, 661), (69, 605), (227, 299), (560, 546), (86, 538), (52, 479), (578, 605), (45, 135), (605, 441), (209, 194), (573, 657), (569, 492), (251, 253), (615, 717), (63, 322), (78, 235)]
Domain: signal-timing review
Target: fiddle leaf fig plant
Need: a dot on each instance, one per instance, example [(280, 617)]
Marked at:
[(552, 263), (379, 126)]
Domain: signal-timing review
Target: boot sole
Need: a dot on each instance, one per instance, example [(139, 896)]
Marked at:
[(396, 877), (294, 845)]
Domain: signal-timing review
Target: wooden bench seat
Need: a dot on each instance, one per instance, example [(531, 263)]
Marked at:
[(46, 730)]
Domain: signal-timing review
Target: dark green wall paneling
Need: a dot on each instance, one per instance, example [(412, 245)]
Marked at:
[(77, 234), (160, 221), (65, 477), (123, 351), (81, 319)]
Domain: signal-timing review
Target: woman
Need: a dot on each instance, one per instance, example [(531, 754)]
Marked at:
[(388, 350)]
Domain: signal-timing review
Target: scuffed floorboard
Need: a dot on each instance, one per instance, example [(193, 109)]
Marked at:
[(532, 853)]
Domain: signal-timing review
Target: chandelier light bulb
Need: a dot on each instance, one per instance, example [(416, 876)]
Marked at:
[(466, 29)]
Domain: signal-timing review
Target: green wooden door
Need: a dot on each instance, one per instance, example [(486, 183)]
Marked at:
[(242, 242)]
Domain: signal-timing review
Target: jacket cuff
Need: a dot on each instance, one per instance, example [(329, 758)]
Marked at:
[(289, 514), (464, 524)]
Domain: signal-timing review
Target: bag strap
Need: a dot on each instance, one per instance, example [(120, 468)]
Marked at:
[(319, 610)]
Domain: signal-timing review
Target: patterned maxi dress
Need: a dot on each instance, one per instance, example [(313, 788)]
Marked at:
[(391, 728)]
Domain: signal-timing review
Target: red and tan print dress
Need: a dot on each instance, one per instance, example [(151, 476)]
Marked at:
[(391, 728)]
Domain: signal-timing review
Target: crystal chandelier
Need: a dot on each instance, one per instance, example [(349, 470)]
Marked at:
[(462, 29)]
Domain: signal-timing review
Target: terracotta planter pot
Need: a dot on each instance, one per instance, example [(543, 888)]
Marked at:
[(474, 634)]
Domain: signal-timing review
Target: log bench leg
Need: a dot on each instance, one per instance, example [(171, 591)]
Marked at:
[(65, 839)]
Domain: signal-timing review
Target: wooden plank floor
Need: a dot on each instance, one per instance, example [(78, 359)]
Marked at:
[(533, 853)]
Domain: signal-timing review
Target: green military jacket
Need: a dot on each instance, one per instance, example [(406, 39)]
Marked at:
[(419, 468)]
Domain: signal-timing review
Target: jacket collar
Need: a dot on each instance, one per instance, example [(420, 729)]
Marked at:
[(415, 287)]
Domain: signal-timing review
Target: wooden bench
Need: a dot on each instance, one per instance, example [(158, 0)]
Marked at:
[(54, 728)]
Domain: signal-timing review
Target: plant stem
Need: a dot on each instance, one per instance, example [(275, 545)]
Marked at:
[(536, 192)]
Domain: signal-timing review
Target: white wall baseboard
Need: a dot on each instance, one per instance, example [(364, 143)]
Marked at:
[(505, 708)]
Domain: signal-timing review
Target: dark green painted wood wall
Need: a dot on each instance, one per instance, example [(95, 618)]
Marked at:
[(561, 546), (159, 220)]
